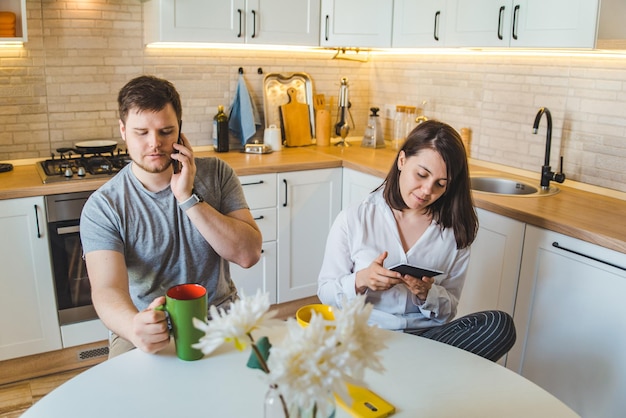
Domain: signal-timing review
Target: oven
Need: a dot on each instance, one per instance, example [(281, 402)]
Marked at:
[(73, 291)]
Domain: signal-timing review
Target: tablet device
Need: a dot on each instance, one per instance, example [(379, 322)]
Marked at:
[(415, 271)]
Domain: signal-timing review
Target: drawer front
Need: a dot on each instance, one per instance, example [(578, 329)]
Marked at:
[(260, 190), (266, 220)]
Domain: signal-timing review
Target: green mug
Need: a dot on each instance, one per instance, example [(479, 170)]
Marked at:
[(183, 303)]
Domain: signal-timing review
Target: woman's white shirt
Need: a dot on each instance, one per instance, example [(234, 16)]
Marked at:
[(360, 234)]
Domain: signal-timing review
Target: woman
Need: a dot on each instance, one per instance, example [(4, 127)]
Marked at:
[(421, 215)]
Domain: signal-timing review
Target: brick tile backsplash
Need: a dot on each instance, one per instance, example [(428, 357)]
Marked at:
[(61, 87)]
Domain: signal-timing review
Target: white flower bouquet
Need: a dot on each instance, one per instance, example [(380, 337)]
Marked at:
[(311, 363)]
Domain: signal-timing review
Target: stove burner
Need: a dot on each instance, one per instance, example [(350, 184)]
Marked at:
[(69, 166)]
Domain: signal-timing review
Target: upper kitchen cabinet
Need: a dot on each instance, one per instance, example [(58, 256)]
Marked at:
[(281, 22), (418, 23), (17, 7), (611, 28), (521, 23), (356, 23)]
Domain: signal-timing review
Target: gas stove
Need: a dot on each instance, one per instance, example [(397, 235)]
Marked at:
[(75, 167)]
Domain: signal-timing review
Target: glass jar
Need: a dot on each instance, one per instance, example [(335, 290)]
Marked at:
[(275, 407), (399, 127)]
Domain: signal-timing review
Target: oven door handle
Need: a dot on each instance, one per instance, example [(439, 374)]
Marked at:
[(64, 230)]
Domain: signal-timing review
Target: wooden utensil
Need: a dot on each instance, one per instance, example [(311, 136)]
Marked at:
[(296, 122), (319, 102), (322, 127)]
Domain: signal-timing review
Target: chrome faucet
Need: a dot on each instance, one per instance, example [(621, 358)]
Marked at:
[(546, 171)]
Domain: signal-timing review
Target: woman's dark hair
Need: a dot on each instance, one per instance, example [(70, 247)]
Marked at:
[(455, 208), (147, 92)]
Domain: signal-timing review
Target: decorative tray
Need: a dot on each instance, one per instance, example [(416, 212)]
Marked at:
[(275, 86)]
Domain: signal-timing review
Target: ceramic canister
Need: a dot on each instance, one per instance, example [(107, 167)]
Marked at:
[(272, 137)]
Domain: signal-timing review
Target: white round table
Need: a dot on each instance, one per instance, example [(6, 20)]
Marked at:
[(423, 378)]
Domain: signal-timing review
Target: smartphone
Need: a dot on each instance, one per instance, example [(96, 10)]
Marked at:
[(415, 271), (365, 403), (176, 163)]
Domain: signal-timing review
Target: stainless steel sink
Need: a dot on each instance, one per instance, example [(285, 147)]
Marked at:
[(508, 186)]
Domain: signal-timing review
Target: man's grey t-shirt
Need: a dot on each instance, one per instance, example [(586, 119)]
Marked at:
[(161, 246)]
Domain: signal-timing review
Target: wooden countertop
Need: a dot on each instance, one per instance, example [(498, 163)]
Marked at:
[(590, 216)]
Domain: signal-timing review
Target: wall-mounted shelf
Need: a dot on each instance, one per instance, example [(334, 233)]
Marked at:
[(19, 8)]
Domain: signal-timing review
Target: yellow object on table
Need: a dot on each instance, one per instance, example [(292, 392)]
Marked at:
[(305, 313)]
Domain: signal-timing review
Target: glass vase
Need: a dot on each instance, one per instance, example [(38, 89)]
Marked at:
[(275, 407)]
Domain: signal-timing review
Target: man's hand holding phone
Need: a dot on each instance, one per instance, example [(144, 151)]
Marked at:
[(182, 182)]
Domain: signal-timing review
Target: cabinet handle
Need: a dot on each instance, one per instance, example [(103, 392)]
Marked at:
[(252, 184), (240, 16), (500, 16), (285, 183), (37, 221), (253, 24), (436, 30), (515, 22), (326, 28), (258, 218), (556, 245)]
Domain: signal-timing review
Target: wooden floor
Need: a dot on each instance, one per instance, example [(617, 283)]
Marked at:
[(16, 398), (24, 381)]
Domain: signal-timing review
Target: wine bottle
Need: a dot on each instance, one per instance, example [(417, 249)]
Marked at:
[(220, 130)]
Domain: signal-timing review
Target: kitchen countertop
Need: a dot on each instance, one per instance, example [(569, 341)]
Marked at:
[(593, 216)]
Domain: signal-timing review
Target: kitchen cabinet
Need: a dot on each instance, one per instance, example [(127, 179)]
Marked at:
[(19, 8), (356, 185), (294, 211), (611, 28), (570, 317), (284, 22), (27, 303), (492, 275), (260, 192), (356, 23), (521, 23), (418, 23), (308, 202)]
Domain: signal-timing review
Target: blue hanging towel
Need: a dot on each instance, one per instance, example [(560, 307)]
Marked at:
[(243, 114)]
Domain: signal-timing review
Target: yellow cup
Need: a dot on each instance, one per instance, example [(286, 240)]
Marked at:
[(305, 313)]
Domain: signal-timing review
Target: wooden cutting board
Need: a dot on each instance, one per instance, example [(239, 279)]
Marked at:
[(296, 123)]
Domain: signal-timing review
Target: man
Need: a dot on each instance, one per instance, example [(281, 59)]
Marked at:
[(151, 226)]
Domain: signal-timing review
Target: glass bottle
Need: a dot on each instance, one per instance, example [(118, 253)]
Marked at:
[(274, 406), (220, 131), (409, 121), (399, 127)]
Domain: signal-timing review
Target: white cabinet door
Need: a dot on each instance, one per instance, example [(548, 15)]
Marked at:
[(554, 23), (356, 23), (521, 23), (28, 312), (491, 281), (570, 317), (194, 21), (418, 23), (283, 22), (356, 186), (308, 202), (478, 23)]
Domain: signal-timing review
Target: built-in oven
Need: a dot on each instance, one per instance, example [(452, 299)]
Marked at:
[(73, 291)]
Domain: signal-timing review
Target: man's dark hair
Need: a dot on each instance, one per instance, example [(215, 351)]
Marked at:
[(150, 93)]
